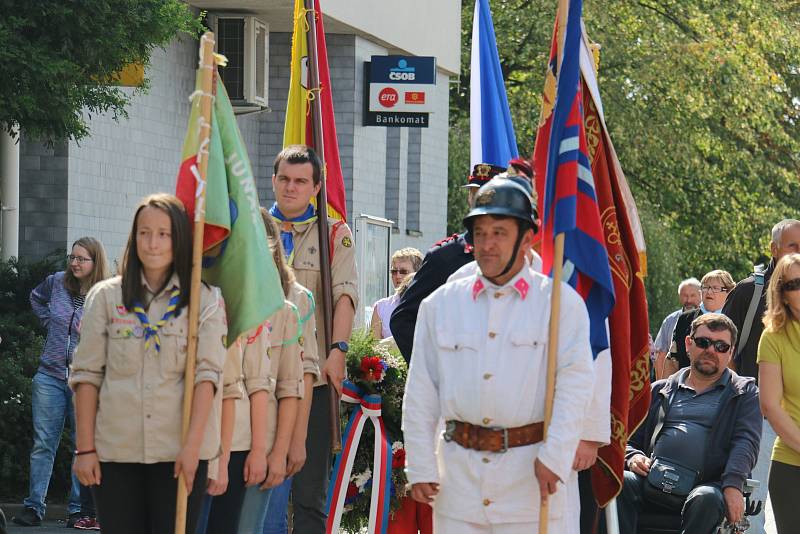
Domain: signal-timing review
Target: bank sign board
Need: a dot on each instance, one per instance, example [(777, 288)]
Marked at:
[(400, 90)]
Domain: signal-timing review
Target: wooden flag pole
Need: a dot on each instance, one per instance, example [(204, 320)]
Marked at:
[(552, 353), (206, 66), (322, 216), (555, 303)]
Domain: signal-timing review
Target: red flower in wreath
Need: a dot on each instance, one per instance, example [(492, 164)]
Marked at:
[(352, 491), (399, 459), (372, 368)]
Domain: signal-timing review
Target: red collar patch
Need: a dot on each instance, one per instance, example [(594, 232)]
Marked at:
[(477, 288), (522, 288)]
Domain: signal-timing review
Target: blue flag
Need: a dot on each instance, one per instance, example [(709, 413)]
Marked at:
[(492, 138), (570, 202)]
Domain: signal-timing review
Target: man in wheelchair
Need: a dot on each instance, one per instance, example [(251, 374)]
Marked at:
[(693, 453)]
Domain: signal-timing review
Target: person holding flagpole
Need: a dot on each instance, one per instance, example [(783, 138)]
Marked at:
[(296, 180), (128, 378), (478, 364), (492, 144)]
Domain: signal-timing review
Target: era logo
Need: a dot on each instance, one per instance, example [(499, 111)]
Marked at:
[(388, 97)]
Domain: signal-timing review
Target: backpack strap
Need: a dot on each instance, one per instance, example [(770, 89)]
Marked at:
[(758, 290), (662, 414)]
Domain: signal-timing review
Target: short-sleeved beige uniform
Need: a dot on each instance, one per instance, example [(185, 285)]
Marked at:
[(141, 390), (305, 262), (271, 363), (304, 300)]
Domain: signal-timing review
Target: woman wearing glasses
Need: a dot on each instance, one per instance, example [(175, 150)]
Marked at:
[(715, 287), (58, 303), (779, 388), (405, 262)]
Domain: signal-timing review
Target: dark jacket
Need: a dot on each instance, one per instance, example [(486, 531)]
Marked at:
[(736, 309), (442, 260), (682, 329), (735, 437)]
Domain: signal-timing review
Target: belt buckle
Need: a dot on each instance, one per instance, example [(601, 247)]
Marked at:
[(505, 437), (449, 430)]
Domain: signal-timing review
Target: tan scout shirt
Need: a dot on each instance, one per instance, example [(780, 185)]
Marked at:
[(304, 300), (344, 276), (141, 390), (232, 378), (271, 363)]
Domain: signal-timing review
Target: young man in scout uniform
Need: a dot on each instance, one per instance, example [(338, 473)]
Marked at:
[(296, 180), (488, 382)]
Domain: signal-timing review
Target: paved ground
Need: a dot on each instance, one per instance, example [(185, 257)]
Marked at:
[(55, 520), (52, 525)]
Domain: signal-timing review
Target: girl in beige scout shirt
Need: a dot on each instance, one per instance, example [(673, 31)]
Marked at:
[(286, 424), (306, 307), (128, 375)]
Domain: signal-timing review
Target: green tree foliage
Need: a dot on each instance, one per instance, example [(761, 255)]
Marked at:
[(702, 100), (57, 56)]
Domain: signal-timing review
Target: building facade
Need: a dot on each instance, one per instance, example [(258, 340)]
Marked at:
[(398, 173)]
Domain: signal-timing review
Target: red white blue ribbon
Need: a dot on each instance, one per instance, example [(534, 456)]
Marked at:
[(381, 467)]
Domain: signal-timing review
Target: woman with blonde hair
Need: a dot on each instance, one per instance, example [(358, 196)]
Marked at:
[(779, 388), (58, 303), (128, 377), (405, 262), (715, 286)]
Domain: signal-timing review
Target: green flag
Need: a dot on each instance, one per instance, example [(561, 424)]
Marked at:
[(236, 255)]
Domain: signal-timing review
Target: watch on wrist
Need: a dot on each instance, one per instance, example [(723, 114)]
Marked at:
[(341, 345)]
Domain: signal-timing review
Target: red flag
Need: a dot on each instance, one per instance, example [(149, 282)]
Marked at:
[(299, 128), (337, 208), (628, 323)]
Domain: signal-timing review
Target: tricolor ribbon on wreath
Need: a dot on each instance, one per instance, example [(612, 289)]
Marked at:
[(343, 467)]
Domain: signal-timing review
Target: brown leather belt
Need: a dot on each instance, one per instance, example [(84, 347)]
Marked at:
[(481, 438)]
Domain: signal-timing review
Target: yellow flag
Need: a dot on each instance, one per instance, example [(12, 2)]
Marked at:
[(294, 129)]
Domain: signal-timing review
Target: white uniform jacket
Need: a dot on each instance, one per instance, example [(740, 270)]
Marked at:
[(480, 357)]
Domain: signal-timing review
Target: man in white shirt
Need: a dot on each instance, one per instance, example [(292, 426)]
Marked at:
[(479, 360), (689, 295)]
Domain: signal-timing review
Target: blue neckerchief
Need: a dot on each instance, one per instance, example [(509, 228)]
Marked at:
[(286, 232), (151, 330)]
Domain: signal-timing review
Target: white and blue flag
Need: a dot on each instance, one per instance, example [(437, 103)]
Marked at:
[(492, 137)]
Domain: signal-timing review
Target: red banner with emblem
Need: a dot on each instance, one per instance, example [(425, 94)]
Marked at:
[(628, 322)]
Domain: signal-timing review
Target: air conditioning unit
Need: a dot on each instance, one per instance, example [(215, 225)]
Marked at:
[(244, 40)]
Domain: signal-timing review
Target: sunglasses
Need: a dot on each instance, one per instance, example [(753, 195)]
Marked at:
[(791, 285), (705, 342), (399, 271)]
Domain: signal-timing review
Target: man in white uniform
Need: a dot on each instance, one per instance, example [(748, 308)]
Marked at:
[(487, 472)]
